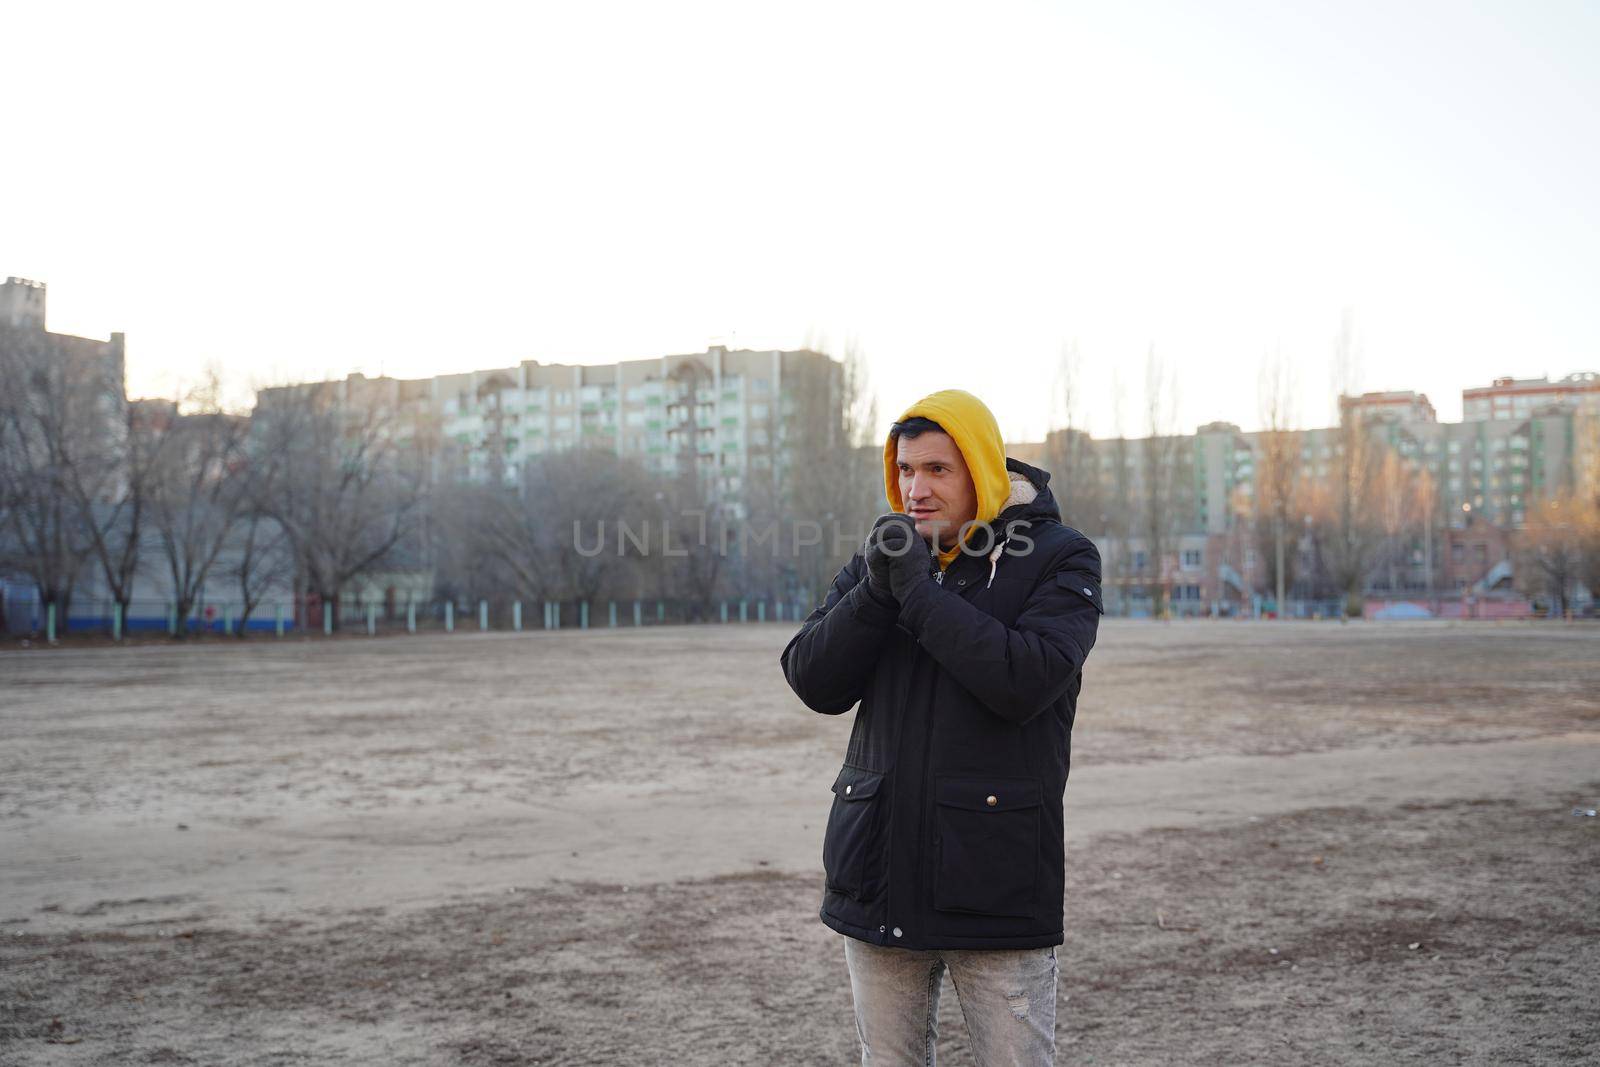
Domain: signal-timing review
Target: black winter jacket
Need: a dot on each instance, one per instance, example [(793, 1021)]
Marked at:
[(946, 825)]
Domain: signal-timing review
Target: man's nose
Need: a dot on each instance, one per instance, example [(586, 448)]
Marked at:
[(919, 489)]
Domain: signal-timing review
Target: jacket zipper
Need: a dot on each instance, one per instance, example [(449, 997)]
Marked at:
[(920, 871)]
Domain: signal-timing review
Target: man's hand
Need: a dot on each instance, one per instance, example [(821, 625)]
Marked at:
[(907, 554), (879, 562)]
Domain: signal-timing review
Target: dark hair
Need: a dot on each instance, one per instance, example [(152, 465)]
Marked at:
[(915, 426)]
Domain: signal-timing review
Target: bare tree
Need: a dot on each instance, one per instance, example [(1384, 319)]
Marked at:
[(1587, 489), (1277, 472), (1553, 544), (264, 560), (1425, 507), (1351, 543), (495, 542), (578, 503), (1160, 456), (55, 407), (1119, 501), (350, 492), (1392, 492), (196, 494), (828, 468), (112, 488), (1075, 478)]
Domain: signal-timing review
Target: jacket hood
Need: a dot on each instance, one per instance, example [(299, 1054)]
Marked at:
[(972, 426), (1030, 496)]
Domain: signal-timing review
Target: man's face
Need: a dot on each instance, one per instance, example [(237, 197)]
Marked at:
[(935, 485)]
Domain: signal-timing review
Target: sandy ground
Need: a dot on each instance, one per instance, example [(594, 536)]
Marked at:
[(603, 847)]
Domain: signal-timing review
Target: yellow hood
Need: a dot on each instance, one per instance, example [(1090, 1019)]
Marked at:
[(973, 428)]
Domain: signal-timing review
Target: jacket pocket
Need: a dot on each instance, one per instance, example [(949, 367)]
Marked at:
[(987, 845), (851, 847), (1085, 585)]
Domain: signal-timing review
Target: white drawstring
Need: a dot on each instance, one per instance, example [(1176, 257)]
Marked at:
[(994, 561)]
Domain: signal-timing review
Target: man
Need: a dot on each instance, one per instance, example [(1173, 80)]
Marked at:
[(944, 845)]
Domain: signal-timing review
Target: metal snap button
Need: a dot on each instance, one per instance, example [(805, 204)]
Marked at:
[(847, 790), (1087, 591), (991, 800), (897, 931)]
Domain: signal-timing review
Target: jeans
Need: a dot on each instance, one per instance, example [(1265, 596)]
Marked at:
[(1008, 998)]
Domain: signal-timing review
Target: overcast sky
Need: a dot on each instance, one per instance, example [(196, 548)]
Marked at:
[(301, 191)]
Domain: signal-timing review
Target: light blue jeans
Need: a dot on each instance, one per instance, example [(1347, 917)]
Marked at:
[(1008, 998)]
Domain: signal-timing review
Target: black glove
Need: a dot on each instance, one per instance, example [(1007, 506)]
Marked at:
[(878, 562), (909, 558)]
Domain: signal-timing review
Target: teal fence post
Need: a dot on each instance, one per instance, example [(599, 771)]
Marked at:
[(411, 616), (50, 623), (583, 615), (372, 619), (761, 611), (327, 619), (116, 622), (638, 614), (516, 615), (744, 611), (449, 616), (613, 612), (661, 611), (280, 619), (779, 608), (227, 620), (483, 615), (724, 607)]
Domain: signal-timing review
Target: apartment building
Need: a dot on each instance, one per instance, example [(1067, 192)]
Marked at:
[(720, 411), (1514, 399), (1487, 471), (69, 393)]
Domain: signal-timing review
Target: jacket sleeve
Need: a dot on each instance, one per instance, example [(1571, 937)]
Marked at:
[(1018, 671), (829, 661)]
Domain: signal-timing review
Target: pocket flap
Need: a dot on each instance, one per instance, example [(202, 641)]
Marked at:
[(989, 794), (1083, 584), (854, 783)]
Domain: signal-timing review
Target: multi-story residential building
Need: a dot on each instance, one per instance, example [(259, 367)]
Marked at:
[(1485, 473), (1514, 399), (97, 365), (720, 411), (1520, 440), (70, 424), (1402, 405)]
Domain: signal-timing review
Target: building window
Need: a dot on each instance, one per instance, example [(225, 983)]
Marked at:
[(1192, 558)]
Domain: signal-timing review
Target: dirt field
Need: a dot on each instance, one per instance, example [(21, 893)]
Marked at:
[(1291, 843)]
